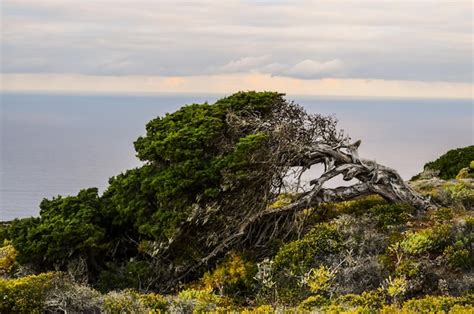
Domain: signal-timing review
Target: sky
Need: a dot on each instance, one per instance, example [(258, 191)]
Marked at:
[(405, 48)]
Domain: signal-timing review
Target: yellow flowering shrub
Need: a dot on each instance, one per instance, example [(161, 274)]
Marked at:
[(263, 309), (26, 294), (319, 279), (437, 304), (232, 271), (8, 255)]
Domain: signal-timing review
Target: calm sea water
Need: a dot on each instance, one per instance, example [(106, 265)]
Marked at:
[(56, 144)]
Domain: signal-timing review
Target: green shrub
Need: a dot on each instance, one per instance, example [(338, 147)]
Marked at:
[(200, 295), (386, 214), (443, 215), (469, 221), (126, 301), (314, 301), (436, 304), (130, 301), (460, 193), (426, 240), (466, 232), (197, 300), (408, 268), (396, 288), (358, 206), (417, 243), (69, 227), (298, 256), (282, 200), (441, 236), (458, 258), (391, 214), (451, 162), (25, 294), (155, 303), (263, 309), (462, 309), (369, 300), (319, 279)]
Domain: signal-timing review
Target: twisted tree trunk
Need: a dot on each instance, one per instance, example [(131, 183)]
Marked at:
[(374, 178)]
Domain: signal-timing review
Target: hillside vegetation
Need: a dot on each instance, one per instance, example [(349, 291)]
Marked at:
[(449, 165), (209, 224)]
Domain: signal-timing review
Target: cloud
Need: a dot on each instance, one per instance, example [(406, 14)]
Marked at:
[(314, 69), (306, 69), (244, 64), (415, 40)]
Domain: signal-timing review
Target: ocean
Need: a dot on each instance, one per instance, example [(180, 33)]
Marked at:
[(57, 144)]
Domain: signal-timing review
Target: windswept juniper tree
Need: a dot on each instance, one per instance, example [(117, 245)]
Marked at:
[(221, 166), (210, 182)]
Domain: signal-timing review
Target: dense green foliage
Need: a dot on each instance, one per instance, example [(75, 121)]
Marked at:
[(449, 164), (192, 159), (68, 227), (189, 156)]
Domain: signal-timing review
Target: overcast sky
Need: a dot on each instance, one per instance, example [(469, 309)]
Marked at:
[(413, 48)]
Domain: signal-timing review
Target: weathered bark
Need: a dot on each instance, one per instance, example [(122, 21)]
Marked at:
[(374, 178)]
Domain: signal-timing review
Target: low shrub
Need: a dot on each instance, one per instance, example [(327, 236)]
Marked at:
[(295, 259), (130, 301), (314, 301), (408, 268), (369, 300), (319, 279), (194, 300), (263, 309), (155, 303), (458, 258), (298, 256), (396, 288), (426, 240), (437, 304), (25, 294), (8, 255), (443, 215), (391, 214), (358, 206), (460, 193), (126, 301), (416, 243), (234, 274), (70, 297), (465, 173)]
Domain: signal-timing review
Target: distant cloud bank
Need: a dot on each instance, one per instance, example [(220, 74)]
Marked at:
[(229, 83), (403, 46)]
